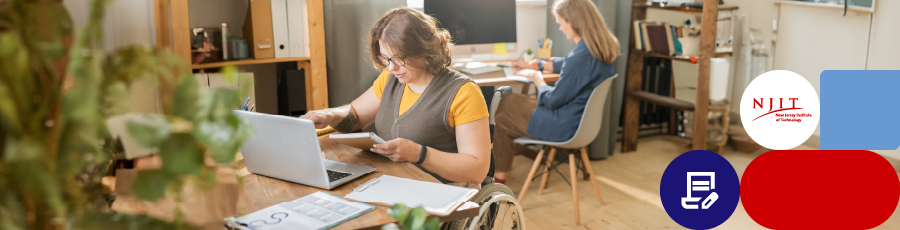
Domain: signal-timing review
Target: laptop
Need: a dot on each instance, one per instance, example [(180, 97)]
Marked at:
[(287, 148)]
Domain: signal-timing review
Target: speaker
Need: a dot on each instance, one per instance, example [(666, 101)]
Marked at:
[(291, 90)]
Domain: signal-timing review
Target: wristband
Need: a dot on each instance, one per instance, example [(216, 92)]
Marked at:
[(534, 64), (540, 65), (422, 155)]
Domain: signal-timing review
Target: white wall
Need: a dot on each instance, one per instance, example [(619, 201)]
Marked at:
[(814, 39), (531, 23), (883, 45)]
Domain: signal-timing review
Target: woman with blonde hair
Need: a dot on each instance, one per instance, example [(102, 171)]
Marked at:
[(432, 116), (556, 113)]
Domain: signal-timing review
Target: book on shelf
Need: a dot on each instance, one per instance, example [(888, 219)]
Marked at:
[(658, 37)]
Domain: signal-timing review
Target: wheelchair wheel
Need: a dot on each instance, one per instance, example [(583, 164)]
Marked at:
[(499, 210)]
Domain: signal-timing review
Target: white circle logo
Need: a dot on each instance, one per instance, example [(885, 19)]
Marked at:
[(780, 109)]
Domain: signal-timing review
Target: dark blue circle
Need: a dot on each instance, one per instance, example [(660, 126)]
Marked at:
[(675, 185)]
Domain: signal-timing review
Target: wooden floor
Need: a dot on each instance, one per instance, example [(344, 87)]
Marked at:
[(629, 184)]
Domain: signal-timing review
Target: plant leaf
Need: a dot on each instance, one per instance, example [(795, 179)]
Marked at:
[(185, 98), (181, 155), (8, 110), (229, 74), (399, 212), (416, 218), (53, 49), (9, 44), (149, 130), (224, 138), (151, 185), (25, 149), (390, 226), (432, 224)]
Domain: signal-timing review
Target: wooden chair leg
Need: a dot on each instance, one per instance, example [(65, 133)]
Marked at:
[(537, 162), (584, 162), (574, 187), (547, 171), (590, 171)]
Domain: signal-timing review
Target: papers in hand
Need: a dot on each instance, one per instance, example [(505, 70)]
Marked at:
[(316, 211), (362, 141), (438, 199)]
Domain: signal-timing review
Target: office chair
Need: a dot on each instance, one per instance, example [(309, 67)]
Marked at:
[(499, 207), (587, 131)]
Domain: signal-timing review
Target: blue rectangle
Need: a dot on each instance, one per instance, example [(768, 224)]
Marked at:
[(860, 109)]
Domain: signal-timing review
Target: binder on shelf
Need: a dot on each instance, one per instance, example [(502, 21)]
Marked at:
[(281, 42), (298, 28), (258, 29)]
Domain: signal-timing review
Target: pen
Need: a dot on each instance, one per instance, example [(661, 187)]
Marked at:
[(244, 107), (251, 107), (551, 45), (547, 43), (538, 42)]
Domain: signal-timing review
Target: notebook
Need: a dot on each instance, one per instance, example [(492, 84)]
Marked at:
[(323, 131), (319, 210), (362, 141), (437, 199)]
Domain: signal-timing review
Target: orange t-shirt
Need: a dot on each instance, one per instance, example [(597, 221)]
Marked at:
[(468, 105)]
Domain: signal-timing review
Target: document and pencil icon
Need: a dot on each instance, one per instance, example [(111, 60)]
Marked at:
[(696, 182)]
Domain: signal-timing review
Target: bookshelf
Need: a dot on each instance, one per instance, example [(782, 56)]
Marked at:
[(634, 73), (173, 31), (247, 62)]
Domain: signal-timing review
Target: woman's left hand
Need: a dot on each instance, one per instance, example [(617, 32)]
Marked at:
[(399, 150), (532, 75)]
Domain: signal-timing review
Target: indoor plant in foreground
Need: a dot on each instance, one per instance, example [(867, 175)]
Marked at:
[(56, 90)]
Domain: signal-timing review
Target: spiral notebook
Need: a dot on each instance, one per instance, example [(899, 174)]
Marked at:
[(437, 199)]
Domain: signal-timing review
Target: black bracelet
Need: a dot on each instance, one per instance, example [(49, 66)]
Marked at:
[(422, 155)]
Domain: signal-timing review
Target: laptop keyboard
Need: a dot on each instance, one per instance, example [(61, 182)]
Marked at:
[(335, 175)]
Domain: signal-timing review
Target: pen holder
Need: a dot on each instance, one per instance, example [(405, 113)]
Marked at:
[(543, 52)]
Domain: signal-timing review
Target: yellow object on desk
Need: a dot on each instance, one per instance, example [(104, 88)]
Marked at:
[(543, 52), (323, 131)]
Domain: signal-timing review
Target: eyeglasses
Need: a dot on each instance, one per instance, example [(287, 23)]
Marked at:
[(387, 61)]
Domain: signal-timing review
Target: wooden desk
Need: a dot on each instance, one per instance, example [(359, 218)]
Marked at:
[(498, 78), (260, 192), (208, 207)]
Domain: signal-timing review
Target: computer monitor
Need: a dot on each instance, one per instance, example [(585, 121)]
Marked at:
[(476, 25)]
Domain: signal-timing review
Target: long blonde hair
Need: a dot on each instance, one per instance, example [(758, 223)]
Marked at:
[(587, 22)]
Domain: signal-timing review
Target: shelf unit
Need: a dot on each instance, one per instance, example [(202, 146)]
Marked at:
[(173, 31), (247, 62), (634, 73)]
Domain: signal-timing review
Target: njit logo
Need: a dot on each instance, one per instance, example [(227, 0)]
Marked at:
[(780, 109), (780, 114)]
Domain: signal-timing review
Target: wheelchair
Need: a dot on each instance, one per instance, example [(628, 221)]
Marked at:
[(499, 207)]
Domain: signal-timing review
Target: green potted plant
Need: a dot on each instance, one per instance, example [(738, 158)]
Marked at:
[(56, 90), (411, 219), (529, 54)]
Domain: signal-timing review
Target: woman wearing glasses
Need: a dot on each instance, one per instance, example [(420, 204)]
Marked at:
[(432, 116)]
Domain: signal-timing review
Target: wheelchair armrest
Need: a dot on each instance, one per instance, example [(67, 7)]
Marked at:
[(495, 102)]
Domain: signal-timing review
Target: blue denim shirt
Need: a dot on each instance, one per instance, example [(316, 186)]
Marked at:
[(560, 107)]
